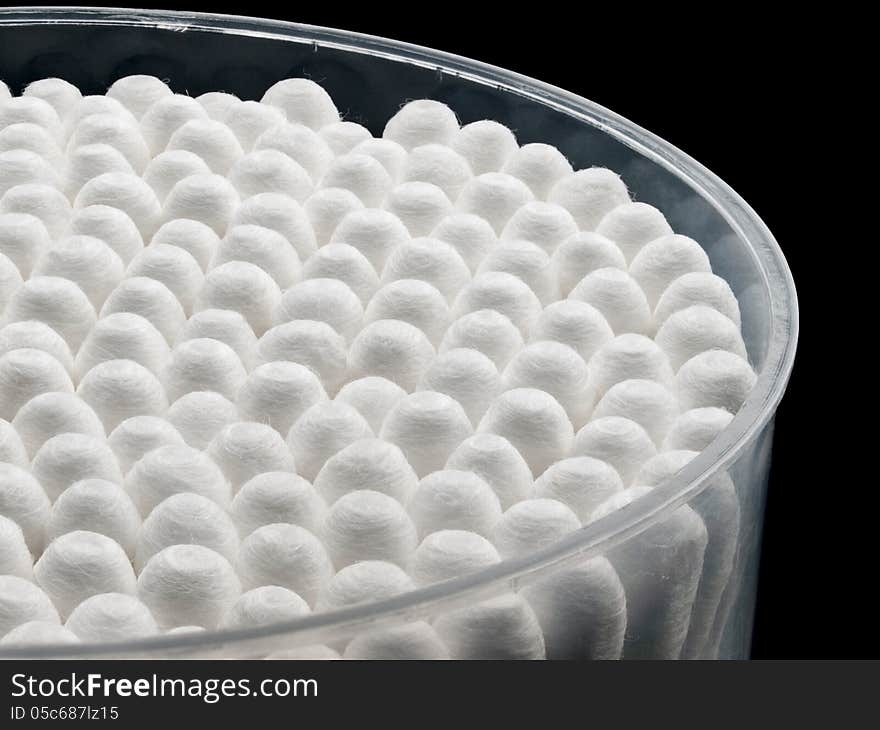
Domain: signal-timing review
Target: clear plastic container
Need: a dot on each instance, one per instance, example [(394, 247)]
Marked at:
[(683, 598)]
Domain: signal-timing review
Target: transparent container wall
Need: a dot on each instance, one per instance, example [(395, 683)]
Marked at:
[(690, 579)]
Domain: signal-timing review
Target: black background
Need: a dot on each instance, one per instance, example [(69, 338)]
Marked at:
[(763, 104)]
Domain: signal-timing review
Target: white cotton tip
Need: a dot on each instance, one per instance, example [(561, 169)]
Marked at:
[(534, 422), (167, 169), (249, 119), (322, 300), (468, 376), (439, 165), (372, 396), (135, 437), (5, 93), (315, 652), (186, 519), (51, 414), (30, 110), (619, 297), (262, 247), (150, 299), (589, 195), (495, 460), (284, 555), (362, 175), (577, 324), (581, 482), (556, 369), (503, 628), (698, 288), (226, 326), (647, 402), (300, 144), (203, 364), (346, 264), (111, 617), (116, 131), (209, 199), (531, 525), (27, 373), (15, 558), (265, 606), (24, 501), (695, 429), (278, 393), (12, 449), (486, 145), (23, 238), (211, 140), (505, 293), (430, 260), (390, 154), (112, 226), (87, 162), (314, 344), (419, 205), (86, 261), (527, 262), (326, 208), (81, 564), (188, 585), (120, 389), (200, 415), (413, 302), (241, 287), (468, 234), (322, 431), (63, 96), (373, 232), (367, 464), (417, 641), (366, 525), (663, 260), (448, 554), (487, 331), (714, 378), (270, 171), (343, 137), (129, 194), (173, 469), (96, 104), (696, 329), (365, 581), (123, 336), (194, 237), (217, 103), (139, 92), (632, 225), (45, 202), (540, 166), (495, 196), (32, 137), (423, 121), (582, 254), (36, 335), (165, 116), (302, 101), (282, 214), (453, 500), (10, 281), (428, 427), (243, 450), (36, 633), (391, 349), (662, 467), (277, 497), (21, 167), (620, 442), (70, 457), (545, 224), (629, 357), (175, 268), (21, 602)]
